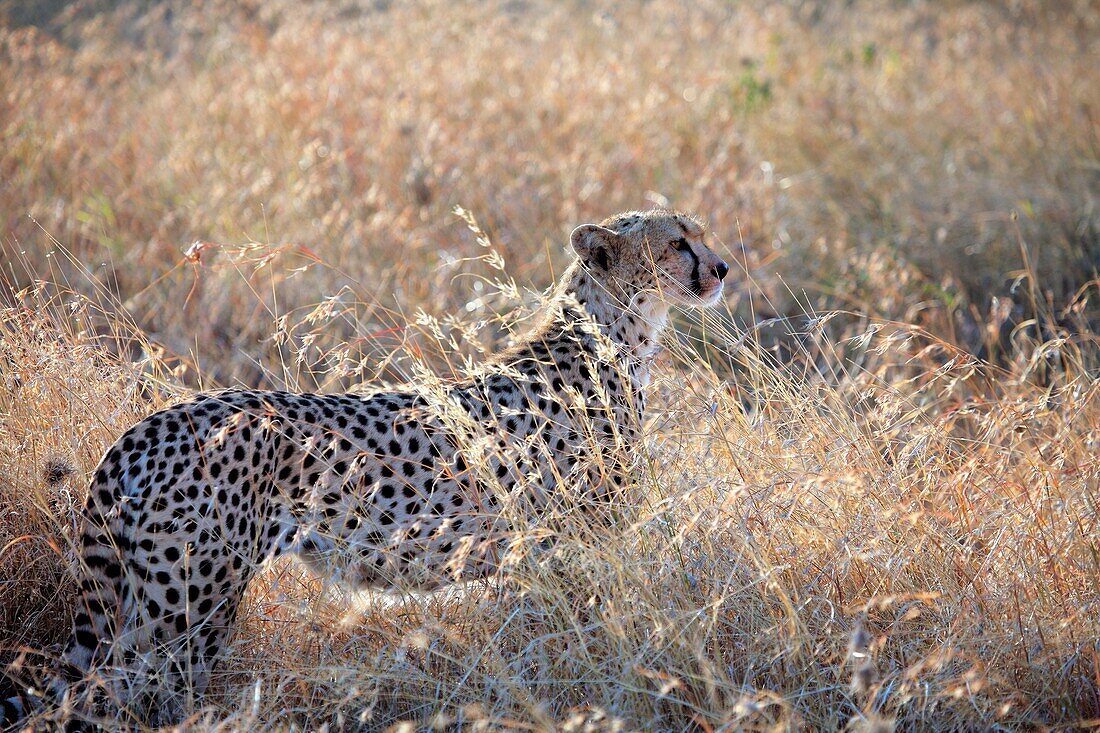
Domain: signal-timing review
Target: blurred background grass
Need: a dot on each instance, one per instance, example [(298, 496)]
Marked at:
[(862, 155)]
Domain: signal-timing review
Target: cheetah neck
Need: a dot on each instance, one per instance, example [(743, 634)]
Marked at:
[(634, 326)]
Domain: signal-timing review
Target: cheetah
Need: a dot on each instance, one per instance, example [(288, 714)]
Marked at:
[(388, 488)]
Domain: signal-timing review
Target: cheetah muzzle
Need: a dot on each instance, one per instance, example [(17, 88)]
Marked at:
[(380, 488)]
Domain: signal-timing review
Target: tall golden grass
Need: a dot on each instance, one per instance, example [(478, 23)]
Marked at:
[(870, 494)]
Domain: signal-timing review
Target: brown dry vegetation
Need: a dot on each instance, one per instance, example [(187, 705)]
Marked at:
[(889, 516)]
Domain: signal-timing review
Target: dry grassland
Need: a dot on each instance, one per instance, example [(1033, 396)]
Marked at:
[(871, 491)]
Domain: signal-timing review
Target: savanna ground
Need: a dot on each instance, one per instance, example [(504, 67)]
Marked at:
[(870, 495)]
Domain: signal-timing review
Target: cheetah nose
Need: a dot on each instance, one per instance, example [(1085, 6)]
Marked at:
[(721, 269)]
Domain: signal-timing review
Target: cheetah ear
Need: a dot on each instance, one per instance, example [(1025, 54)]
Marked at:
[(595, 245)]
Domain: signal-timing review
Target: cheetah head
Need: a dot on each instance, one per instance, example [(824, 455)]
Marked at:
[(651, 255)]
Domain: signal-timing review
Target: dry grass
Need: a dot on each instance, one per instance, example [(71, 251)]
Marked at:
[(890, 517)]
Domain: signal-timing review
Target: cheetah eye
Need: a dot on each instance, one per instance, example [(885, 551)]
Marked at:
[(682, 245)]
